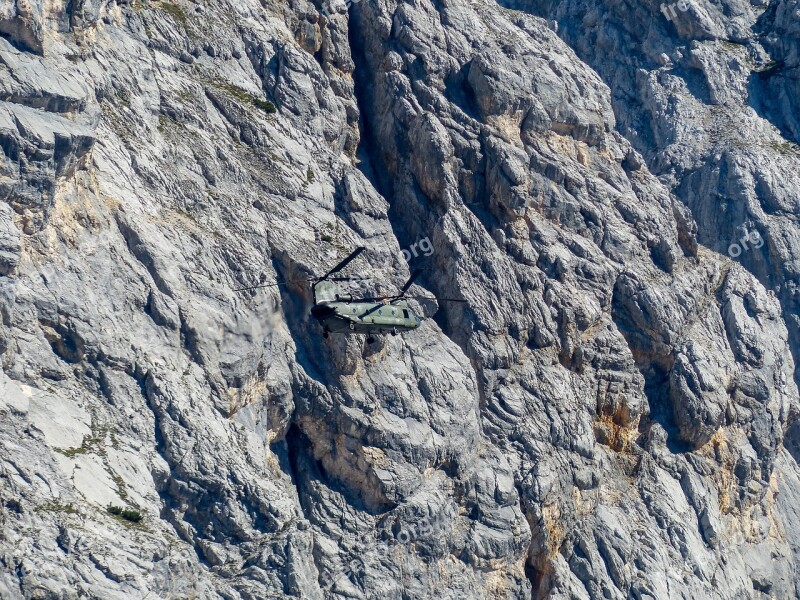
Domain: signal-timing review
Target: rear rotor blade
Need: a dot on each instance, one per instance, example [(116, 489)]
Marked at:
[(347, 279), (438, 299), (391, 299), (409, 283), (370, 311)]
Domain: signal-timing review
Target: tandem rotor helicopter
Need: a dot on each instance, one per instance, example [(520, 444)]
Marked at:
[(339, 312)]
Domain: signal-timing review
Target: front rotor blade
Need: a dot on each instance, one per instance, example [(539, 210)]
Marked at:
[(266, 285), (344, 263), (256, 287)]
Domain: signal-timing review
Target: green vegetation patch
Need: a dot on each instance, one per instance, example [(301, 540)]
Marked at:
[(265, 105), (94, 442), (768, 68), (90, 441), (129, 514), (785, 148), (332, 233), (732, 46), (243, 96), (55, 506), (176, 12), (163, 123), (119, 483)]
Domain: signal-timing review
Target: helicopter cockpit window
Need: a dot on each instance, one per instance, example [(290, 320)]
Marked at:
[(405, 314)]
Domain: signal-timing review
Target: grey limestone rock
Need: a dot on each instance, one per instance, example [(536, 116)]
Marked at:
[(610, 187)]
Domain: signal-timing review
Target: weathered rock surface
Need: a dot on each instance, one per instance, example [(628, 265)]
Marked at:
[(611, 414)]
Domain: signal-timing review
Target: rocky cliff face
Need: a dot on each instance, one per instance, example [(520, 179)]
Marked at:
[(611, 186)]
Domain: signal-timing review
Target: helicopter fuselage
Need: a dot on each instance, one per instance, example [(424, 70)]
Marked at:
[(365, 317)]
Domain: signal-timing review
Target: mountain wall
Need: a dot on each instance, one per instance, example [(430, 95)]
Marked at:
[(610, 185)]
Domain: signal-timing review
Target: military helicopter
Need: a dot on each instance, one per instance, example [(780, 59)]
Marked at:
[(340, 312)]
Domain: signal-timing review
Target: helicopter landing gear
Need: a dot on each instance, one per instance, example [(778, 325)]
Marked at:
[(352, 326), (370, 340), (394, 330)]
